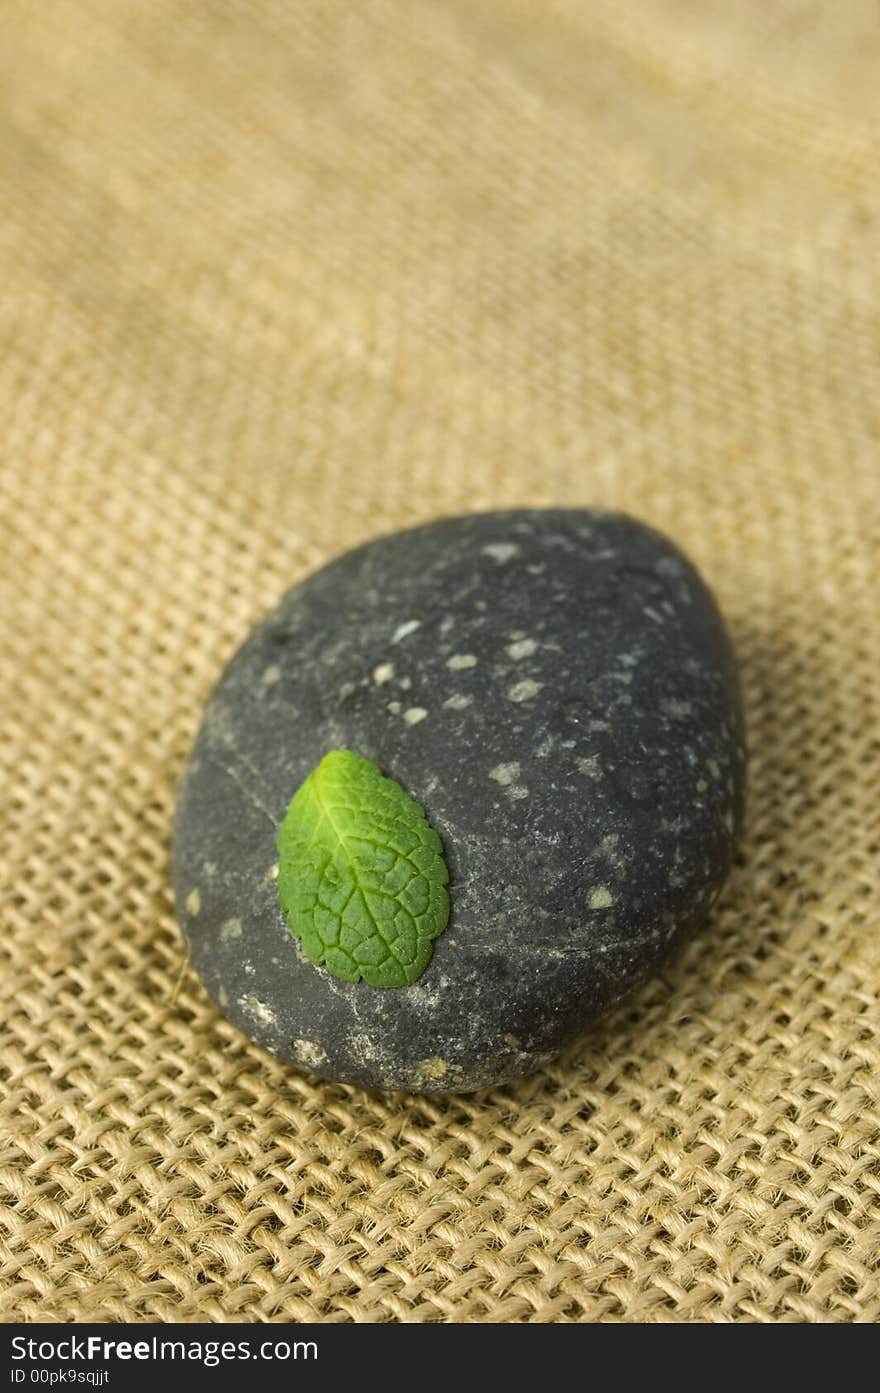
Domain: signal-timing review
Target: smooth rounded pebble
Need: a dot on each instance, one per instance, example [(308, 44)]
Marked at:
[(557, 690)]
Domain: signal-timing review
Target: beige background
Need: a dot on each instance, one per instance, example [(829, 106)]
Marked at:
[(276, 278)]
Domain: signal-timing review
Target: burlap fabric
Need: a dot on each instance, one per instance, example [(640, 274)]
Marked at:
[(279, 277)]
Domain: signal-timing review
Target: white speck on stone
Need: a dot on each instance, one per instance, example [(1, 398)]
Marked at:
[(459, 661), (668, 566), (537, 568), (223, 996), (394, 708), (362, 1046), (271, 675), (258, 1010), (601, 897), (525, 690), (516, 634), (714, 768), (309, 1052), (501, 551), (652, 614), (523, 648), (414, 714), (675, 708), (609, 843), (383, 673), (405, 629), (505, 774), (448, 624), (588, 765), (427, 998), (405, 683), (193, 901), (230, 930), (545, 748), (272, 873), (433, 1068), (701, 785), (457, 702), (517, 792)]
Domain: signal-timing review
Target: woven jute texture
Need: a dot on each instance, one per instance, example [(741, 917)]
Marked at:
[(277, 278)]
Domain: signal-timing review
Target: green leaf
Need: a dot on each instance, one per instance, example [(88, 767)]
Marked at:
[(361, 875)]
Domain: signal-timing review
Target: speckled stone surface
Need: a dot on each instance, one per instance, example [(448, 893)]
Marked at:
[(557, 690)]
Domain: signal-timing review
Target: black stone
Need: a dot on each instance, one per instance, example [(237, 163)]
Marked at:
[(581, 757)]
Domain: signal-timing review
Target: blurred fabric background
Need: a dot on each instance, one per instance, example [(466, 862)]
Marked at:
[(277, 278)]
